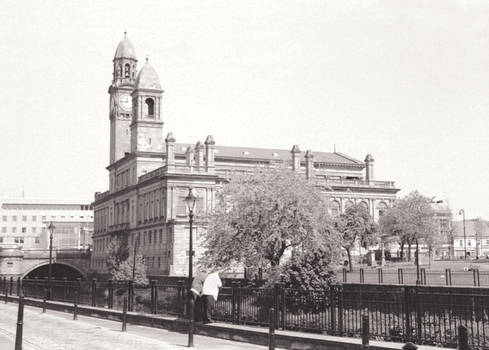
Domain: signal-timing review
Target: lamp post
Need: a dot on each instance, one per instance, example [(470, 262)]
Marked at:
[(462, 212), (190, 201), (136, 246), (51, 228)]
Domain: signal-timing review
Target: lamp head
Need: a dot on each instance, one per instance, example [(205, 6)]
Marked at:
[(190, 200), (51, 227)]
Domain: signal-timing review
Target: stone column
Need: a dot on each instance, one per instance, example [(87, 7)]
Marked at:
[(296, 158), (170, 152), (209, 154), (309, 164), (189, 157)]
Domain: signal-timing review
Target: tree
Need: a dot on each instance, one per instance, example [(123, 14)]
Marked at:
[(410, 219), (121, 263), (260, 216), (355, 224)]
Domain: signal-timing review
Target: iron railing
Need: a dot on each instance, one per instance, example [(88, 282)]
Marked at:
[(422, 314)]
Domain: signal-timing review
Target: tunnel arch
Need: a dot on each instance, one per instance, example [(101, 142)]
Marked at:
[(59, 270)]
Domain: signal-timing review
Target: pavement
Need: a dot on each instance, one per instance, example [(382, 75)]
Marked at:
[(55, 330)]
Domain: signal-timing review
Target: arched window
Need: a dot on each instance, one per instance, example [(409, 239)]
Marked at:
[(127, 70), (381, 207), (119, 70), (348, 204), (150, 108), (364, 204), (334, 207)]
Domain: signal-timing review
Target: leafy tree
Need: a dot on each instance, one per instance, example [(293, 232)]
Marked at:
[(410, 219), (311, 270), (120, 262), (260, 216), (355, 224)]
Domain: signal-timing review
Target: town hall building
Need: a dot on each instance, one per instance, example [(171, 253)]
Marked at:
[(150, 174)]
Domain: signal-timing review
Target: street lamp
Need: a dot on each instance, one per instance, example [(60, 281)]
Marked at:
[(51, 228), (136, 246), (462, 212), (190, 201)]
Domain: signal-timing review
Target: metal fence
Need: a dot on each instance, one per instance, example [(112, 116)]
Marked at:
[(422, 314), (448, 277)]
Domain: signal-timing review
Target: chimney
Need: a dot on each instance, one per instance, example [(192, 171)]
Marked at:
[(309, 164), (296, 160), (209, 153), (170, 152), (369, 167), (189, 157), (199, 154)]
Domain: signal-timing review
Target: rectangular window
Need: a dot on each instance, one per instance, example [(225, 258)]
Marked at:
[(14, 229), (149, 236), (43, 218), (16, 239), (34, 218), (38, 240), (4, 230), (21, 239), (461, 243), (24, 218), (14, 218), (33, 230), (181, 207), (24, 229), (159, 262), (1, 239), (4, 218)]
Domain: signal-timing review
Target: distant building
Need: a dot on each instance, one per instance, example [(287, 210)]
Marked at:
[(24, 224), (476, 238), (443, 219), (150, 175)]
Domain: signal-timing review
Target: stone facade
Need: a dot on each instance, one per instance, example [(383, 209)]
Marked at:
[(148, 184)]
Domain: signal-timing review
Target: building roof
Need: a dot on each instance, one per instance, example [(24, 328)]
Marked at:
[(125, 49), (148, 78), (276, 154)]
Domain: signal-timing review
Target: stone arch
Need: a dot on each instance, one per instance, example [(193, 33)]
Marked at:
[(334, 207), (381, 208), (45, 264), (348, 204)]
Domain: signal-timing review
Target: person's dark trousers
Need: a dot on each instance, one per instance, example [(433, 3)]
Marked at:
[(208, 301), (197, 306)]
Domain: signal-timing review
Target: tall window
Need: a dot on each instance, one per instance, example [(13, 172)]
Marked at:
[(335, 208), (150, 107), (127, 70)]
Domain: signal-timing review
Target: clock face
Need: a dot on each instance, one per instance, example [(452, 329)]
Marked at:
[(125, 102)]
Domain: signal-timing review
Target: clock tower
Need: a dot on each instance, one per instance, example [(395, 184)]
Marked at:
[(123, 83)]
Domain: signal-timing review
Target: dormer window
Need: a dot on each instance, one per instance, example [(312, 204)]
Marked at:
[(150, 107), (127, 71)]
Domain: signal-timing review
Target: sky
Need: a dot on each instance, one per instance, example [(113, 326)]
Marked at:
[(407, 81)]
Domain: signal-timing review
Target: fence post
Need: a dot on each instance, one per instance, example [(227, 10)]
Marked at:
[(475, 277), (446, 277), (463, 339), (5, 291), (20, 323), (365, 330), (75, 307), (11, 285), (344, 275), (180, 296), (18, 286), (130, 294), (276, 293), (260, 274), (450, 275), (407, 315), (238, 304), (191, 305), (79, 287), (423, 276), (362, 275), (110, 297), (400, 276), (124, 314), (94, 292), (332, 309), (284, 309), (271, 330), (65, 283), (153, 297), (340, 311), (380, 276), (233, 302)]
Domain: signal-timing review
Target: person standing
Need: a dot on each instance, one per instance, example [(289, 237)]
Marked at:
[(196, 294), (210, 290)]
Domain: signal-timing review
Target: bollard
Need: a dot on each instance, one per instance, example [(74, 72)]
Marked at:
[(124, 315), (75, 311), (191, 304), (44, 303), (20, 323), (271, 330), (409, 346), (463, 339), (365, 331)]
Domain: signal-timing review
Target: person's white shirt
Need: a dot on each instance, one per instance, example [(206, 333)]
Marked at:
[(211, 285)]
